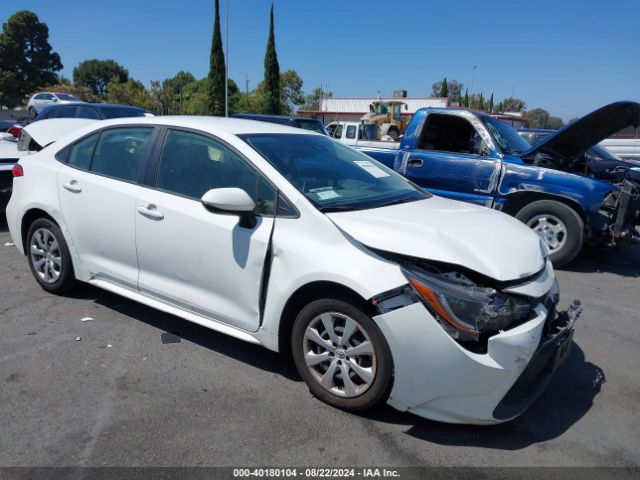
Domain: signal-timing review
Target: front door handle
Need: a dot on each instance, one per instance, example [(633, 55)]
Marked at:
[(151, 211), (415, 163), (72, 186)]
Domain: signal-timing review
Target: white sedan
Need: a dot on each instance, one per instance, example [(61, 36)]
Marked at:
[(288, 239)]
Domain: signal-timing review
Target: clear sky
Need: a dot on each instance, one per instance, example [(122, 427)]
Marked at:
[(567, 56)]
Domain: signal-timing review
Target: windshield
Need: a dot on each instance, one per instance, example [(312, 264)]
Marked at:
[(312, 125), (332, 176), (67, 97), (507, 137)]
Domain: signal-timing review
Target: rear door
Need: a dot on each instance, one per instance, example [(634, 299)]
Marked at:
[(98, 187), (453, 160), (192, 257)]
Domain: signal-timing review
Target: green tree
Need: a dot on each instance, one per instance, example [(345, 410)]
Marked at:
[(491, 104), (538, 118), (217, 69), (272, 97), (466, 98), (131, 92), (554, 123), (444, 90), (312, 101), (97, 74), (27, 61), (454, 91), (512, 104), (291, 91), (171, 94), (481, 102)]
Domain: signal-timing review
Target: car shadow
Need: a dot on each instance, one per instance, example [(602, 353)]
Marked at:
[(624, 261), (4, 227), (567, 398), (172, 326)]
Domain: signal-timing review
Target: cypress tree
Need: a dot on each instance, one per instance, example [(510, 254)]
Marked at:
[(466, 98), (217, 70), (271, 74), (444, 89), (481, 102), (491, 104)]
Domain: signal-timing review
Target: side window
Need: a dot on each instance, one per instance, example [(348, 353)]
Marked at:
[(449, 133), (192, 164), (338, 132), (82, 151), (351, 131), (47, 96), (86, 112), (120, 152)]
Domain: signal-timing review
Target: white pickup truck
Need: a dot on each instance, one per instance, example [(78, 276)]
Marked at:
[(625, 144), (358, 135)]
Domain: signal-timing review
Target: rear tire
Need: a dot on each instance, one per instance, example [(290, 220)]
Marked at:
[(558, 225), (332, 341), (49, 257)]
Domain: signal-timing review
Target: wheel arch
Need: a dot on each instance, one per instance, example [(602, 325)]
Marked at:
[(309, 292), (28, 218), (517, 201)]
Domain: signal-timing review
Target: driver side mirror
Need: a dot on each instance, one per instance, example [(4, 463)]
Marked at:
[(231, 201), (54, 99)]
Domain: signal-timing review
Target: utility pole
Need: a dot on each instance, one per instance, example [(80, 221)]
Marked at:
[(226, 66)]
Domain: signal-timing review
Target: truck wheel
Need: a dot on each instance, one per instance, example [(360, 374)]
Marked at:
[(394, 134), (342, 355), (559, 226)]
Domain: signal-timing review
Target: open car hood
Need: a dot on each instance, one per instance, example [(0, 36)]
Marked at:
[(480, 239), (575, 139), (38, 135)]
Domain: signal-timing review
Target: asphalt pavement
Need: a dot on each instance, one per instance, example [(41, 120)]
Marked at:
[(144, 388)]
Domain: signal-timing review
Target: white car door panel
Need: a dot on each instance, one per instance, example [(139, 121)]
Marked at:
[(100, 215), (98, 195), (200, 260), (191, 256)]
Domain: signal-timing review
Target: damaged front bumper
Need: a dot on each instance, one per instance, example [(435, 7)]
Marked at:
[(440, 380)]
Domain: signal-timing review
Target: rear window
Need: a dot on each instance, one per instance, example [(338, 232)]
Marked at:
[(122, 112), (312, 125)]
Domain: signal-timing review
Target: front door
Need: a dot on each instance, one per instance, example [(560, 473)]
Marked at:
[(195, 258), (453, 160)]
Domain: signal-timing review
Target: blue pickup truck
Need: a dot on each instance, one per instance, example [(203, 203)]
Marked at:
[(473, 157)]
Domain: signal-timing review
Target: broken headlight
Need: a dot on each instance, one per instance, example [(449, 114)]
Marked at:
[(464, 309)]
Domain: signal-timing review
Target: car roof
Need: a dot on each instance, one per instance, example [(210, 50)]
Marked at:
[(97, 105), (235, 126)]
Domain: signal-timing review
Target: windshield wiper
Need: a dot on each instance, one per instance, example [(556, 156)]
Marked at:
[(337, 208), (397, 202)]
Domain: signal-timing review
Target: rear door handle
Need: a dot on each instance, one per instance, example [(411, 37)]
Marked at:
[(415, 163), (151, 211), (72, 186)]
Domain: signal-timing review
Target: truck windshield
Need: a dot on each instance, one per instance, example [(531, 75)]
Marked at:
[(332, 176), (507, 137)]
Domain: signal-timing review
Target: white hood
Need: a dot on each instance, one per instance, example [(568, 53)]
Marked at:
[(484, 240)]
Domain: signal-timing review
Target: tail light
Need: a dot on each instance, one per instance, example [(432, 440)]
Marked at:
[(15, 131), (17, 170)]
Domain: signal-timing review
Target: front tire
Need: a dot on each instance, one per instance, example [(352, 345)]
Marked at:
[(558, 225), (33, 112), (342, 355), (49, 257)]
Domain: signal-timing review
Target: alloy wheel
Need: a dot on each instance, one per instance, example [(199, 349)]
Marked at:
[(339, 354), (46, 256)]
